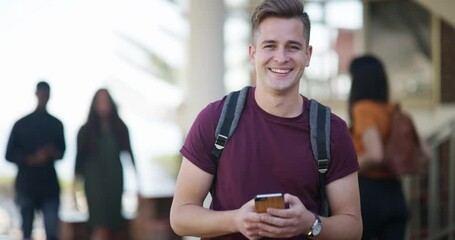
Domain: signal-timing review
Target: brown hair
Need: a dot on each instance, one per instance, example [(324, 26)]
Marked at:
[(281, 9)]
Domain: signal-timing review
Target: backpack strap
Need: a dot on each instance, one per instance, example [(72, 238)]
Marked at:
[(320, 145), (319, 118), (227, 123)]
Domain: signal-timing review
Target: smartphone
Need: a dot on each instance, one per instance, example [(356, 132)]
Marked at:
[(271, 200)]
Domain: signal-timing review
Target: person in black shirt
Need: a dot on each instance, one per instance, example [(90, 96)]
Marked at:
[(35, 143)]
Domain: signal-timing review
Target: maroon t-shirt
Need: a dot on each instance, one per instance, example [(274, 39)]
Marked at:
[(266, 154)]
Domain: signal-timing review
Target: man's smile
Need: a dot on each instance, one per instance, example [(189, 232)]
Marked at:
[(280, 71)]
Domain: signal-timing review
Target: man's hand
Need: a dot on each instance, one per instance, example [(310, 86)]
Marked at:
[(247, 221), (40, 157), (52, 152), (285, 223)]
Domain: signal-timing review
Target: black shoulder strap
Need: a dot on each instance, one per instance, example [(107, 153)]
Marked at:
[(227, 123), (320, 145)]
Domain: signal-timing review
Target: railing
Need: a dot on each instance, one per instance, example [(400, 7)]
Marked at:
[(432, 194)]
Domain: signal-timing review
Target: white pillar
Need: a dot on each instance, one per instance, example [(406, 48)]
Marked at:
[(204, 82)]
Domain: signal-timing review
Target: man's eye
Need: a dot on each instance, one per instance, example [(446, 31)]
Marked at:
[(295, 47), (268, 46)]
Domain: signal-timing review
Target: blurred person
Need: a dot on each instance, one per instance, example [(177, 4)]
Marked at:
[(370, 111), (270, 150), (100, 142), (36, 142)]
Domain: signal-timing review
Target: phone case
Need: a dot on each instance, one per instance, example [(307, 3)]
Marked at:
[(264, 201)]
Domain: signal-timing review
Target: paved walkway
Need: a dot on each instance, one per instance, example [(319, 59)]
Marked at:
[(10, 220)]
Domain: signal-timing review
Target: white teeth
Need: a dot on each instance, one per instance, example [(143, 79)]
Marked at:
[(279, 70)]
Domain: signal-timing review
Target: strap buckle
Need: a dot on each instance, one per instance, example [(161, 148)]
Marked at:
[(220, 141), (323, 165)]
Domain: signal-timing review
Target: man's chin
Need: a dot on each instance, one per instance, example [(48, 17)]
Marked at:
[(282, 88)]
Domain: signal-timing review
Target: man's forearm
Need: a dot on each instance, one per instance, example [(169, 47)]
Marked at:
[(193, 220), (341, 227), (17, 158)]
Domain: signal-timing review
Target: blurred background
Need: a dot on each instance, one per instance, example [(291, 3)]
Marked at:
[(164, 60)]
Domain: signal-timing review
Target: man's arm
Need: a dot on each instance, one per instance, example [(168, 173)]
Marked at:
[(345, 222), (189, 218), (346, 219), (52, 151), (13, 152), (59, 147), (16, 154)]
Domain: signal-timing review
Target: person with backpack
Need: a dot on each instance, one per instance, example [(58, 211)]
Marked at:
[(370, 112), (271, 149)]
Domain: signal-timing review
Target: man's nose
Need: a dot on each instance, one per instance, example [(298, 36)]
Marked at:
[(281, 55)]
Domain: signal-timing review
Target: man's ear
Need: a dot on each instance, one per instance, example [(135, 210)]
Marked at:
[(309, 52), (251, 53)]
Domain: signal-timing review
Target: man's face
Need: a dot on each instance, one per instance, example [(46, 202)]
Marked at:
[(280, 54), (43, 96)]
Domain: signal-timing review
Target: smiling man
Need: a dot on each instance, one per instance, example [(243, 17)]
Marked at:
[(270, 151)]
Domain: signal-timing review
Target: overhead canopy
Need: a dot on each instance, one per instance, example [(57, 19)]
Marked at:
[(443, 8)]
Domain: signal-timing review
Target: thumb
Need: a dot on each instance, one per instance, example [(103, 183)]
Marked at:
[(291, 200)]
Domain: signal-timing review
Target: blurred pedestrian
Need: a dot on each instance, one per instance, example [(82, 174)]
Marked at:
[(370, 113), (100, 142), (35, 143)]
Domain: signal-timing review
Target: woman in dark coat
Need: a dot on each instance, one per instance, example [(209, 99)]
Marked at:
[(100, 142)]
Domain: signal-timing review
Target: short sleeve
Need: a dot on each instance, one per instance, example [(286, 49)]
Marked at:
[(201, 138), (343, 156), (363, 114)]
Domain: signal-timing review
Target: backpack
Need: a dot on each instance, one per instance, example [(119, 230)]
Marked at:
[(403, 154), (319, 117)]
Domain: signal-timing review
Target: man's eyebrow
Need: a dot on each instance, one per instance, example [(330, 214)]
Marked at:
[(295, 42), (288, 42), (268, 41)]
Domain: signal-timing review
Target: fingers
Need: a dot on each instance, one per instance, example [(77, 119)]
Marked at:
[(291, 199), (294, 205), (248, 220), (276, 227), (275, 223), (251, 230), (271, 231), (283, 223), (273, 220), (250, 205)]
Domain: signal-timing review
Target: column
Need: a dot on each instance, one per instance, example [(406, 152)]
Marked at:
[(204, 81)]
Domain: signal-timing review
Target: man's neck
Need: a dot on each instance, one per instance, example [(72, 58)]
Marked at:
[(288, 104), (41, 108)]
